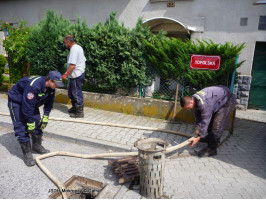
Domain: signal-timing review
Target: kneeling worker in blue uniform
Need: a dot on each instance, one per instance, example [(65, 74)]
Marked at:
[(212, 106), (24, 100)]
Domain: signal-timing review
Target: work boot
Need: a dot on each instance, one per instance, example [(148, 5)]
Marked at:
[(28, 158), (211, 150), (205, 139), (78, 112), (207, 152), (37, 145), (72, 109)]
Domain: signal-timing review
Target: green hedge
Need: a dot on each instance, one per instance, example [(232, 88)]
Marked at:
[(171, 58), (117, 57), (114, 53), (45, 48)]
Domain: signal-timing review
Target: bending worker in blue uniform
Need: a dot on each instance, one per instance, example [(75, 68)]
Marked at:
[(212, 106), (24, 100)]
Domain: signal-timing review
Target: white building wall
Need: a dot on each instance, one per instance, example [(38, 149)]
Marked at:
[(218, 20), (2, 49)]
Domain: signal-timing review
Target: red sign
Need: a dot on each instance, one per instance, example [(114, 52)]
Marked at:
[(205, 62)]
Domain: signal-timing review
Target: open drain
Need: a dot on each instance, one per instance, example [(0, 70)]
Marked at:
[(78, 187)]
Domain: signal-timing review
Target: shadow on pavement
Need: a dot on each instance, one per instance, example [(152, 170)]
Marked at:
[(109, 174), (9, 141), (61, 107), (246, 148)]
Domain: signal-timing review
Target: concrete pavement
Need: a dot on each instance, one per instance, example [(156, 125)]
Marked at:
[(238, 171), (17, 181), (252, 115)]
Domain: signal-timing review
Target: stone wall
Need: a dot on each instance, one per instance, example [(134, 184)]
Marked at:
[(242, 89)]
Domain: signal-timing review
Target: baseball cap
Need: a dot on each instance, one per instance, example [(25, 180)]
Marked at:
[(56, 77)]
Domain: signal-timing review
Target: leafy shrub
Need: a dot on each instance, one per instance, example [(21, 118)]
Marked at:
[(115, 56), (15, 46), (6, 71), (2, 67), (3, 63)]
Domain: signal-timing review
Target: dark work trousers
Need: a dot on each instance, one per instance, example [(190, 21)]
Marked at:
[(218, 122), (75, 91), (20, 124)]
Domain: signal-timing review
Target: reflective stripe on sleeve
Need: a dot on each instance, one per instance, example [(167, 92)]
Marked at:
[(198, 97), (13, 112), (34, 80)]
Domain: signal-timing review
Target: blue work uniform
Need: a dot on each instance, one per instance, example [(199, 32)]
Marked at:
[(24, 100), (213, 106)]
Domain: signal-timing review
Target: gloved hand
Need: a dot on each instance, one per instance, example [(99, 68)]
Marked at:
[(30, 128), (64, 76), (43, 122)]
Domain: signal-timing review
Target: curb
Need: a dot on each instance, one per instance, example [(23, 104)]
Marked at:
[(253, 120)]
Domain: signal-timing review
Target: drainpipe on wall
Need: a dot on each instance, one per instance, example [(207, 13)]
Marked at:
[(233, 76), (140, 89)]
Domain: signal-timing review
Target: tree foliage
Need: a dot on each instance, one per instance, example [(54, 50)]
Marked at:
[(15, 46), (2, 67), (171, 57)]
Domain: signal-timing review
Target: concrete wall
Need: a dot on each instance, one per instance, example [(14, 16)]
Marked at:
[(211, 19), (2, 49), (130, 105), (136, 106)]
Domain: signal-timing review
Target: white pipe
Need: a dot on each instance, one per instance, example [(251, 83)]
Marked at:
[(102, 155), (63, 153), (5, 114), (116, 125)]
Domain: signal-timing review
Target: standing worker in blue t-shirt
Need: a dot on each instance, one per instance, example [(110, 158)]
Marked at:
[(212, 106), (24, 100), (76, 73)]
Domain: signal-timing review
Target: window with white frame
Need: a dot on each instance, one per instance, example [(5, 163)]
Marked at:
[(262, 23)]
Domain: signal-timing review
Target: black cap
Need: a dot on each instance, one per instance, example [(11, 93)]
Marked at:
[(56, 77)]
